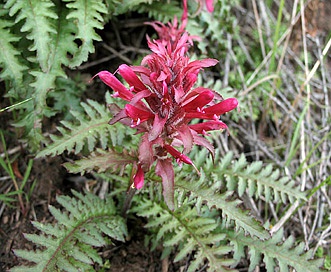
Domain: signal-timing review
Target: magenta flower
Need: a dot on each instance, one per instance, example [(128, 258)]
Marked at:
[(201, 3), (162, 103)]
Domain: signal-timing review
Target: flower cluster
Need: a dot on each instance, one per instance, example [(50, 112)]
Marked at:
[(162, 101)]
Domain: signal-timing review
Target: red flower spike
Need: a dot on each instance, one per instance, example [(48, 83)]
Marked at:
[(138, 179), (116, 85), (162, 101), (222, 107)]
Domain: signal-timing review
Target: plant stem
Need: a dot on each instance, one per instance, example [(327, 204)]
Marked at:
[(129, 195)]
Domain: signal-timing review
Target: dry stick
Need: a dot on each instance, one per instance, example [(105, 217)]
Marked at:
[(302, 125), (266, 59), (317, 64), (257, 83), (227, 63), (117, 54), (302, 143), (265, 19), (323, 166), (259, 30), (295, 205), (293, 22), (13, 150)]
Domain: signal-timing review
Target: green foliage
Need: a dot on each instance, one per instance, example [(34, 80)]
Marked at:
[(88, 16), (42, 38), (87, 222), (161, 11), (230, 208), (189, 232), (10, 57), (88, 130), (253, 179), (67, 96), (101, 161), (38, 23), (276, 253)]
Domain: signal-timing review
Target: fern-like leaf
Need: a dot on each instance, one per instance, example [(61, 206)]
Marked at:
[(160, 11), (258, 180), (276, 253), (101, 161), (12, 68), (37, 16), (253, 179), (230, 210), (87, 130), (88, 16), (190, 232), (68, 245)]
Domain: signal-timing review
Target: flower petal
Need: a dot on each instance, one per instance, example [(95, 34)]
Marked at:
[(177, 155), (208, 126), (120, 90), (157, 128), (138, 179), (200, 101), (137, 115), (222, 107), (209, 5), (130, 77)]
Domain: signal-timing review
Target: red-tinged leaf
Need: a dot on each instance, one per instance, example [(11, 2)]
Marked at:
[(205, 143), (101, 161), (193, 93), (157, 128), (117, 117), (146, 153), (165, 170), (186, 137), (141, 70), (190, 80), (198, 64)]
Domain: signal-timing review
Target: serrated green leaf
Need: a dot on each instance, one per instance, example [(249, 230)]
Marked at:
[(87, 15)]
